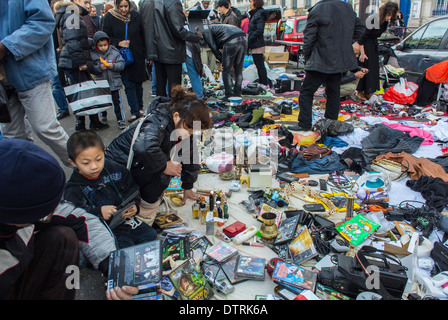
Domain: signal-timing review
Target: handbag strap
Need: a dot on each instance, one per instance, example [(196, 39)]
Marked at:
[(126, 33)]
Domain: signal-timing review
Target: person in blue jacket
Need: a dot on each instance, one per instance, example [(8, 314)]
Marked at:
[(28, 57)]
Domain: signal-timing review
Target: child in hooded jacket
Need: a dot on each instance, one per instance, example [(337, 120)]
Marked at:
[(107, 65)]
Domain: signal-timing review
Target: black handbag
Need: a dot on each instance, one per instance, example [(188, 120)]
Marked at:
[(440, 256)]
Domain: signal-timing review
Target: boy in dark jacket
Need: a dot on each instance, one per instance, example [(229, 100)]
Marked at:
[(107, 65), (228, 44), (99, 186)]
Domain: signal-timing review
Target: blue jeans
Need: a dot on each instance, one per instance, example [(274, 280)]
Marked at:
[(134, 93), (153, 77), (326, 164), (59, 94), (195, 78)]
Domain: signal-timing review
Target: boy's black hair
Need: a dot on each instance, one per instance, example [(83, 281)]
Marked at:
[(82, 140)]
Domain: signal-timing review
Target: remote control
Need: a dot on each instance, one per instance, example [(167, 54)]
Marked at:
[(323, 184)]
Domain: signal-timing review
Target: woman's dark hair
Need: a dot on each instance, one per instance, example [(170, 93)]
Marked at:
[(258, 3), (388, 8), (82, 140), (117, 3), (189, 107)]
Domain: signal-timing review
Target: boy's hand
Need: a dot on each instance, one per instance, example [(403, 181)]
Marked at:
[(110, 66), (130, 212), (103, 67), (108, 211)]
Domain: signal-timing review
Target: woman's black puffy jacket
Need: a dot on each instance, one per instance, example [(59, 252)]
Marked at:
[(152, 148)]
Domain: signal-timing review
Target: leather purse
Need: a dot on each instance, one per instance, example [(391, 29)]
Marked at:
[(315, 151), (233, 229)]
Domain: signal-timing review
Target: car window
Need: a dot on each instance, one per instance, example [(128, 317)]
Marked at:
[(289, 26), (433, 35), (414, 39), (301, 24)]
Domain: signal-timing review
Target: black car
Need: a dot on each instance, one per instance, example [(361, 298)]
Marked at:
[(423, 48)]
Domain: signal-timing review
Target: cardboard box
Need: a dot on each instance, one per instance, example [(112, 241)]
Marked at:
[(278, 59)]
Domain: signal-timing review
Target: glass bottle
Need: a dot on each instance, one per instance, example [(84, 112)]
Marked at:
[(215, 210), (195, 209), (203, 212), (225, 211)]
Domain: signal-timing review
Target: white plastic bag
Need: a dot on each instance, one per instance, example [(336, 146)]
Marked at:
[(220, 162)]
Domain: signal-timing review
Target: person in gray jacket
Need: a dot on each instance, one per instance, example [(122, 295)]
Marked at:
[(107, 65)]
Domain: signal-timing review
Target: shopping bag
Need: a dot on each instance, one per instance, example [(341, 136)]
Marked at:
[(402, 92), (89, 97)]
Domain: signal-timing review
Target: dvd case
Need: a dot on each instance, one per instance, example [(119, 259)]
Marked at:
[(136, 265)]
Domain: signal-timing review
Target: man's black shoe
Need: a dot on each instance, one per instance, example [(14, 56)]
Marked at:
[(62, 114), (298, 127)]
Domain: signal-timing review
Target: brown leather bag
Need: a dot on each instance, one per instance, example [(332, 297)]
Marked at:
[(315, 151)]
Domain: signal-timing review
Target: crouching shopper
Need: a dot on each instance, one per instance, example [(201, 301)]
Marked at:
[(229, 45), (168, 121), (33, 265)]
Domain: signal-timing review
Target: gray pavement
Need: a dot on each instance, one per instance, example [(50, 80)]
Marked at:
[(92, 283)]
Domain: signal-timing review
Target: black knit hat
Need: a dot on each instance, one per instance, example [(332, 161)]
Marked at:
[(31, 182)]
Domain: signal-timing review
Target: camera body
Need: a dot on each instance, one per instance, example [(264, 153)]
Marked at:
[(349, 278)]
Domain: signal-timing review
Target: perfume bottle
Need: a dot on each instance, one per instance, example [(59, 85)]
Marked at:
[(195, 209), (203, 212)]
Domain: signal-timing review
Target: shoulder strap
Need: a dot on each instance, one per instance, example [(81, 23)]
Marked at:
[(134, 137), (126, 33)]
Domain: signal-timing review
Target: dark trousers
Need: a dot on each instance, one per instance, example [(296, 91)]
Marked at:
[(233, 57), (127, 237), (118, 106), (312, 82), (170, 74), (261, 69), (55, 249), (426, 92), (77, 76), (134, 93)]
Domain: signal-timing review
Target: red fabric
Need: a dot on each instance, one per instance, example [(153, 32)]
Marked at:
[(438, 73)]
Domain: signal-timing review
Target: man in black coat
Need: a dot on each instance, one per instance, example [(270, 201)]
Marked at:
[(332, 27), (165, 37), (228, 44)]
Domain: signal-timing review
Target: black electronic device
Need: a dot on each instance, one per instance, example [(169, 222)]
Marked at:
[(323, 184), (286, 177), (117, 217), (350, 276), (314, 207)]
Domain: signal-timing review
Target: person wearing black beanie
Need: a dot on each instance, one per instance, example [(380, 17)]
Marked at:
[(33, 264)]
